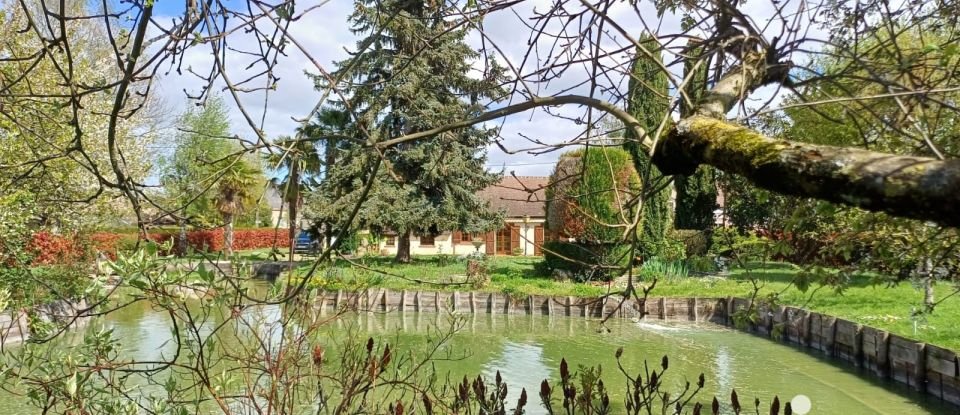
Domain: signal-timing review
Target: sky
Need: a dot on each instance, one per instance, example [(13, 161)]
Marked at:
[(324, 34)]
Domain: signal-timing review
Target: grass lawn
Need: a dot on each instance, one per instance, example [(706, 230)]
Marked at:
[(880, 306), (513, 275)]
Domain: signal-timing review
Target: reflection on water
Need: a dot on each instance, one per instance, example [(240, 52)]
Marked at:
[(528, 349)]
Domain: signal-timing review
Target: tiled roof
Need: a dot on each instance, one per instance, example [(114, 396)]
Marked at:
[(518, 196)]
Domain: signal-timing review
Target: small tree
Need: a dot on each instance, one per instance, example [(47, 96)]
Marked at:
[(234, 196)]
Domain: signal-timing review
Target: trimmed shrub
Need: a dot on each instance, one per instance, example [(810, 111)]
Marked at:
[(586, 262), (584, 197), (46, 248), (243, 239)]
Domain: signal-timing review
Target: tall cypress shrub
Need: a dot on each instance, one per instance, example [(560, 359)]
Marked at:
[(648, 102), (696, 193)]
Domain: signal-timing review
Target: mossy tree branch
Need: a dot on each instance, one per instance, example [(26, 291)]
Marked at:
[(914, 187)]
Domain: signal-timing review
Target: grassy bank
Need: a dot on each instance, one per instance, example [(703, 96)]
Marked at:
[(880, 306)]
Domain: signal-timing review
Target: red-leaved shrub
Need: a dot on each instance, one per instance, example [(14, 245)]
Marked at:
[(48, 248)]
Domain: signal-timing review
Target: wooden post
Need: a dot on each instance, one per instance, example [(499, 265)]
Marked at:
[(336, 301), (663, 308), (831, 336), (569, 303), (506, 303), (436, 296), (416, 301), (456, 301), (920, 368), (473, 304), (530, 305), (403, 301), (858, 346), (886, 368), (383, 299), (808, 329)]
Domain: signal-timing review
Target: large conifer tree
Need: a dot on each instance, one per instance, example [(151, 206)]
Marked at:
[(405, 78)]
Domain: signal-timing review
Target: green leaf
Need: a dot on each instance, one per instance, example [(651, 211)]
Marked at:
[(71, 385)]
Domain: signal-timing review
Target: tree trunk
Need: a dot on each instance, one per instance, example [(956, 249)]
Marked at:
[(293, 196), (403, 248), (182, 238), (929, 297), (228, 234)]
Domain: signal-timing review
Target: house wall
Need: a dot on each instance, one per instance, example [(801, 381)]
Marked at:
[(443, 243), (278, 218)]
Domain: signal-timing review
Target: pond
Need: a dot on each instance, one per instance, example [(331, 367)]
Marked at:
[(527, 349)]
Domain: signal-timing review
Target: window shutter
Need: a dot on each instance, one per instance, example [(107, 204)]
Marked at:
[(456, 238), (491, 241), (515, 238), (538, 240)]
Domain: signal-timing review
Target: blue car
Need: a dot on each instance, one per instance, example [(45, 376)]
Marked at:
[(306, 244)]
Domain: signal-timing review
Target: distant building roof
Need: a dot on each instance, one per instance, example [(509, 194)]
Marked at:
[(518, 196)]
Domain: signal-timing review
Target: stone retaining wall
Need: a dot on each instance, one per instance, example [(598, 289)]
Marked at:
[(14, 327), (923, 367)]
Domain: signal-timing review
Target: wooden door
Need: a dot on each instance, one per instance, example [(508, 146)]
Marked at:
[(503, 241)]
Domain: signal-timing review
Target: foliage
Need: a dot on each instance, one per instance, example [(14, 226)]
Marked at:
[(695, 243), (590, 195), (648, 102), (696, 197), (52, 146), (478, 270), (205, 241), (669, 270), (702, 264), (37, 267), (429, 185), (748, 207), (587, 262)]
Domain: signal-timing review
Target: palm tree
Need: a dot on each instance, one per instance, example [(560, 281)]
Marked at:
[(300, 161), (234, 196)]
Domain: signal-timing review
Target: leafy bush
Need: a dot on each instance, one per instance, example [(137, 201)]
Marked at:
[(695, 242), (478, 270), (46, 248), (586, 262), (702, 264)]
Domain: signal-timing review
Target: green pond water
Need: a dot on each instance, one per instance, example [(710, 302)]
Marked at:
[(528, 349)]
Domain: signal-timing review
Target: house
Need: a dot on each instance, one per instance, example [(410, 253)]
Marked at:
[(278, 214), (522, 200)]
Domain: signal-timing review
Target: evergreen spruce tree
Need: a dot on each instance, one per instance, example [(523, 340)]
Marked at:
[(696, 193), (405, 78), (648, 102)]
